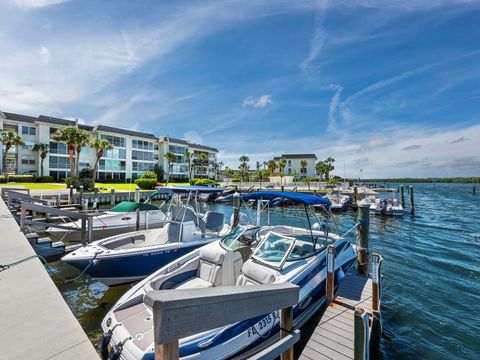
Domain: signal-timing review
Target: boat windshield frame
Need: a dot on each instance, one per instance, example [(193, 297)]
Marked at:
[(283, 260), (228, 248)]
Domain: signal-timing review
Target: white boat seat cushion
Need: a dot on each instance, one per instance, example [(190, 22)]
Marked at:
[(255, 274), (210, 267), (214, 221), (194, 283)]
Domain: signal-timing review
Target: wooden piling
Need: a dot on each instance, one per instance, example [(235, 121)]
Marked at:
[(402, 197), (137, 223), (236, 209), (84, 230), (474, 189), (360, 337), (412, 203), (112, 197), (330, 287), (355, 194), (137, 194), (81, 195), (362, 236), (168, 351), (286, 327), (89, 230), (376, 281), (70, 197)]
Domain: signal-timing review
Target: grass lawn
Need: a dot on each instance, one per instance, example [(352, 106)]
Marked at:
[(35, 186)]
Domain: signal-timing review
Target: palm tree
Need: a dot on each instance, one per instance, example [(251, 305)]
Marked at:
[(320, 169), (100, 146), (8, 140), (244, 167), (328, 167), (281, 167), (82, 139), (220, 164), (202, 159), (189, 158), (43, 150), (271, 165), (265, 164), (68, 135), (170, 156), (303, 167)]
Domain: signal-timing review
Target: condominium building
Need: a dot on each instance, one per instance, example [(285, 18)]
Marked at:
[(294, 164), (179, 169), (133, 152)]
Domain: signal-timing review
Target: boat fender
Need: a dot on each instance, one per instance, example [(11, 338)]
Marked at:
[(104, 341)]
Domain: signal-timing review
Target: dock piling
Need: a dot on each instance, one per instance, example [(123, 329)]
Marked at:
[(84, 230), (137, 223), (112, 196), (402, 197), (474, 189), (362, 236), (412, 203), (70, 196), (147, 219), (89, 230), (376, 264), (360, 335), (355, 194), (236, 209), (286, 327), (330, 287), (137, 194), (81, 195)]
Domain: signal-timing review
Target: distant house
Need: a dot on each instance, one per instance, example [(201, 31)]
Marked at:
[(294, 164)]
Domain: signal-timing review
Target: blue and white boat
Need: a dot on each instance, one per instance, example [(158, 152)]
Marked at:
[(134, 255), (247, 255)]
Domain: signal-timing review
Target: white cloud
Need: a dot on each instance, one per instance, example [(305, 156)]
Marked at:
[(333, 108), (33, 4), (193, 137), (44, 54), (259, 102)]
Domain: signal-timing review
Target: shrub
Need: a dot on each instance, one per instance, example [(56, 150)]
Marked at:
[(146, 183), (3, 179), (205, 182), (88, 183), (149, 175), (21, 178), (235, 180), (86, 173), (44, 179)]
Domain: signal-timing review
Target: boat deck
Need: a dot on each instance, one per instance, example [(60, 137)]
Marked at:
[(333, 337)]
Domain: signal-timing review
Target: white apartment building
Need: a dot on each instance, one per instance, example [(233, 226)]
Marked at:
[(179, 168), (133, 152), (294, 164)]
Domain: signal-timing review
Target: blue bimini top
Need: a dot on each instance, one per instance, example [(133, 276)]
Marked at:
[(293, 196)]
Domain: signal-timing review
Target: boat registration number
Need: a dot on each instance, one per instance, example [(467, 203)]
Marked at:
[(263, 325)]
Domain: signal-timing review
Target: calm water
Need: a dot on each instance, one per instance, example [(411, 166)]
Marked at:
[(431, 301)]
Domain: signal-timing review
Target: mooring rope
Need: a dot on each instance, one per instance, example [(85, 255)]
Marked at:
[(45, 263)]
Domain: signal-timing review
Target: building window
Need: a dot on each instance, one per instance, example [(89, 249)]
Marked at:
[(58, 162), (58, 148), (115, 154), (28, 160), (115, 165), (141, 166), (178, 150), (59, 175), (107, 175), (114, 140), (142, 145), (29, 130), (142, 155)]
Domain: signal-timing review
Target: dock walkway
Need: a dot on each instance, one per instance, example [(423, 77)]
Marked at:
[(333, 338), (36, 323)]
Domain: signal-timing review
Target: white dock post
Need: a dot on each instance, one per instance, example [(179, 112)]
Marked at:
[(90, 229), (70, 195), (137, 194), (81, 196), (259, 210)]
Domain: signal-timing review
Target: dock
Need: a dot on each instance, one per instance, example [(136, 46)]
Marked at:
[(36, 321), (333, 337)]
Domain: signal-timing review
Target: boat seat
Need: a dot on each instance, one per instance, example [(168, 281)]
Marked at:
[(194, 283), (214, 221), (255, 274)]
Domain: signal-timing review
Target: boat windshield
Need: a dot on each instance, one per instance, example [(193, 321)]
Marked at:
[(239, 237), (278, 248)]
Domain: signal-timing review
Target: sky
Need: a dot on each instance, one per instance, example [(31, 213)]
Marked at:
[(387, 88)]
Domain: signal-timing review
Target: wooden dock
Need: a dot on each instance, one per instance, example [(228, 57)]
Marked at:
[(333, 338)]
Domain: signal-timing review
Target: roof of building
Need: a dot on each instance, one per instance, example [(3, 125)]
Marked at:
[(19, 117), (185, 142), (55, 121), (299, 156), (124, 131)]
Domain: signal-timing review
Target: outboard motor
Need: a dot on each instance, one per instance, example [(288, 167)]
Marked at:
[(383, 206)]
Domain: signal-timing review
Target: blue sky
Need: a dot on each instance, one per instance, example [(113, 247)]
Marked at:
[(389, 87)]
